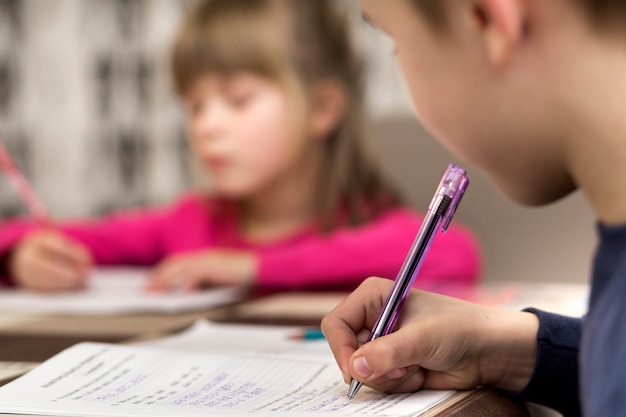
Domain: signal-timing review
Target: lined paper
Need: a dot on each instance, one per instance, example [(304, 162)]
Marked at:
[(171, 378)]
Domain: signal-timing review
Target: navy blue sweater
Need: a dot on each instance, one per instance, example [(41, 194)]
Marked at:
[(597, 343)]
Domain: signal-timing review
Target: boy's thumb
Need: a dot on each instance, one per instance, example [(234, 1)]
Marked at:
[(385, 354)]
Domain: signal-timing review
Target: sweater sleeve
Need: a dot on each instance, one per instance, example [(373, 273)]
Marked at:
[(126, 238), (554, 382), (346, 256)]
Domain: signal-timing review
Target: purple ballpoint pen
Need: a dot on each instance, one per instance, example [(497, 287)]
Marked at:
[(440, 212)]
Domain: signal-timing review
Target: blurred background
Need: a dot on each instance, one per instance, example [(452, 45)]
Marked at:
[(88, 112)]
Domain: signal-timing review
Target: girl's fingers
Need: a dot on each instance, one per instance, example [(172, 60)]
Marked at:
[(192, 282), (50, 262), (169, 275), (48, 275), (68, 250)]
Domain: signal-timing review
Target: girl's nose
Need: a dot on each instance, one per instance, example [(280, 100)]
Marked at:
[(211, 121)]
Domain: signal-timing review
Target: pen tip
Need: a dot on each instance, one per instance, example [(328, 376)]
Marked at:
[(354, 388)]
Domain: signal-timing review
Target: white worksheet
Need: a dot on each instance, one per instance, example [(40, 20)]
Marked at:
[(115, 291), (205, 336), (268, 375)]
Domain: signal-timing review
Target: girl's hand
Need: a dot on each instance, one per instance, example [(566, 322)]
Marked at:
[(48, 261), (207, 267), (441, 342)]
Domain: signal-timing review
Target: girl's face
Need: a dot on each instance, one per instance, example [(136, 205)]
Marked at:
[(242, 132)]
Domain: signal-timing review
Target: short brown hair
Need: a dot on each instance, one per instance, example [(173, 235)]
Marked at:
[(605, 13), (295, 42), (602, 14), (432, 10)]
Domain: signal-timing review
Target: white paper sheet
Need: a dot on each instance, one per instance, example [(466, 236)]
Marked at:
[(267, 375), (115, 291), (204, 336)]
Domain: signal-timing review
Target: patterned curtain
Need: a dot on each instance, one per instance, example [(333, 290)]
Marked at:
[(87, 109), (86, 105)]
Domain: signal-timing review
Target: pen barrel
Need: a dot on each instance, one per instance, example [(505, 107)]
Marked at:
[(410, 268)]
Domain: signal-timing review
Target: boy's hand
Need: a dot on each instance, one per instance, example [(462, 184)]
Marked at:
[(441, 342), (207, 267), (49, 261)]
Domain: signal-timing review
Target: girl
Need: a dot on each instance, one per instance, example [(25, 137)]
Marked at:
[(273, 96)]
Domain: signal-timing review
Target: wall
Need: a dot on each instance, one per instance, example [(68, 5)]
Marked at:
[(86, 106), (553, 243)]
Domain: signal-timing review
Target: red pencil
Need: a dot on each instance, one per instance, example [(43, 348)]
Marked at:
[(23, 188)]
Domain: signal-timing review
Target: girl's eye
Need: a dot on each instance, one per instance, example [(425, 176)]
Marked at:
[(240, 99), (194, 108)]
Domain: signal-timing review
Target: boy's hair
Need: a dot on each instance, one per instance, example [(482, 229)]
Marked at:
[(432, 10), (599, 12), (602, 12), (295, 42)]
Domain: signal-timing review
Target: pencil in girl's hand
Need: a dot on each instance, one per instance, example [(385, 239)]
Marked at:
[(23, 188)]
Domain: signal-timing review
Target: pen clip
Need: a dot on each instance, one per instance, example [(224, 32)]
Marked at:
[(453, 184)]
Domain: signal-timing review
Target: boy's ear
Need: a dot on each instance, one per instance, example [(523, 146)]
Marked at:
[(502, 24), (328, 106)]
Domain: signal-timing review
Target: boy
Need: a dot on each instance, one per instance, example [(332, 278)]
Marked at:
[(532, 92)]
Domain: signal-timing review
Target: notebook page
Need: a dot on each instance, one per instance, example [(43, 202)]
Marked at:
[(91, 379)]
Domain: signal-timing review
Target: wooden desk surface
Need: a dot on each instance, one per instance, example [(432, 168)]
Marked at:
[(36, 338)]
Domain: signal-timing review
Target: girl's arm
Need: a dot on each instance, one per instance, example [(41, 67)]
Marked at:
[(129, 238), (348, 255)]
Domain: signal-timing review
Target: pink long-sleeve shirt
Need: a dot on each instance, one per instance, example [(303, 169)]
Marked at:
[(304, 260)]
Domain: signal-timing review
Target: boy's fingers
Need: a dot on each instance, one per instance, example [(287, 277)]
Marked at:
[(412, 381), (348, 325), (338, 328), (399, 380), (402, 349)]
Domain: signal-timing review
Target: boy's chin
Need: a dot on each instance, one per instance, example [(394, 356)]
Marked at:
[(534, 194)]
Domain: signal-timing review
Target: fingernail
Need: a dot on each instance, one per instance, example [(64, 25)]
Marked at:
[(362, 367), (346, 378), (396, 374)]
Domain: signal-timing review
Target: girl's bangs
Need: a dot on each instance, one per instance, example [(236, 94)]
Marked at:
[(226, 42)]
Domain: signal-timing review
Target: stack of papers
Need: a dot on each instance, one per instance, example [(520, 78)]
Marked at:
[(116, 291)]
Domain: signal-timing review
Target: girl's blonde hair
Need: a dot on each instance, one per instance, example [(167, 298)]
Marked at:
[(302, 40)]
